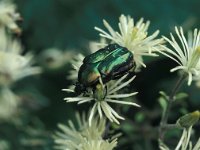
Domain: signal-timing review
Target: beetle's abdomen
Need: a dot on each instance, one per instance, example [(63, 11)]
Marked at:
[(101, 54), (116, 64)]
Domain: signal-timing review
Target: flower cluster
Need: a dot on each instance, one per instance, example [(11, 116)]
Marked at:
[(184, 142), (76, 64), (14, 65), (52, 59), (8, 16), (84, 137), (133, 36), (8, 104), (186, 122)]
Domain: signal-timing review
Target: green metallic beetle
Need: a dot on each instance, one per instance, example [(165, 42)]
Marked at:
[(108, 63)]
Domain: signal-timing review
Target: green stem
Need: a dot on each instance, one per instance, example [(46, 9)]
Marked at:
[(171, 126), (165, 116)]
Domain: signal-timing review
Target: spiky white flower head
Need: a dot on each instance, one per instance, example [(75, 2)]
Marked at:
[(54, 58), (76, 64), (84, 137), (197, 81), (8, 16), (4, 144), (103, 95), (96, 45), (98, 145), (186, 54), (184, 142), (13, 65), (133, 36), (186, 122), (8, 104)]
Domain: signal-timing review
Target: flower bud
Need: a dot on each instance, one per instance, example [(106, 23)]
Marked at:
[(189, 119)]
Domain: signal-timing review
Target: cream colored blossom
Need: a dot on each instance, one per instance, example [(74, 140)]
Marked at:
[(186, 54), (133, 36), (185, 122), (96, 45), (9, 16), (98, 145), (184, 142), (84, 137), (103, 95), (9, 103), (76, 64), (54, 58), (4, 145), (13, 65)]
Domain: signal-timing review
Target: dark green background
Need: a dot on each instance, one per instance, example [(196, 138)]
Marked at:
[(70, 24)]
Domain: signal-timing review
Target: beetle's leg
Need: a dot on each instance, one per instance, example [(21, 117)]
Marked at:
[(101, 82), (104, 87), (105, 91), (100, 90)]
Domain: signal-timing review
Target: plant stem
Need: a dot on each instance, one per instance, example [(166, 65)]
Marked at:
[(165, 116), (171, 126)]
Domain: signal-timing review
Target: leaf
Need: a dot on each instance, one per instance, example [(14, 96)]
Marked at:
[(163, 104), (181, 96), (164, 95)]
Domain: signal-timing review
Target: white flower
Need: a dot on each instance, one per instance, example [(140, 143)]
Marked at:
[(4, 144), (53, 58), (186, 54), (103, 95), (184, 142), (186, 122), (8, 104), (84, 137), (96, 45), (197, 81), (133, 36), (8, 16), (98, 145), (13, 65), (76, 64)]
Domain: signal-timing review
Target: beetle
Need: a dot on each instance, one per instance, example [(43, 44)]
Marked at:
[(108, 63)]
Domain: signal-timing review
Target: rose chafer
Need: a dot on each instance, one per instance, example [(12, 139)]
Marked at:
[(106, 64)]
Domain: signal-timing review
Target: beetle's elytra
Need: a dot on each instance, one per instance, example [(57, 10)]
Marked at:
[(108, 63)]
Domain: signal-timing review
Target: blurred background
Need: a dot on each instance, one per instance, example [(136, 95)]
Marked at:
[(56, 30)]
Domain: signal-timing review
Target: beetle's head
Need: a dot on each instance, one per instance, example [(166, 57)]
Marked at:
[(79, 88)]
